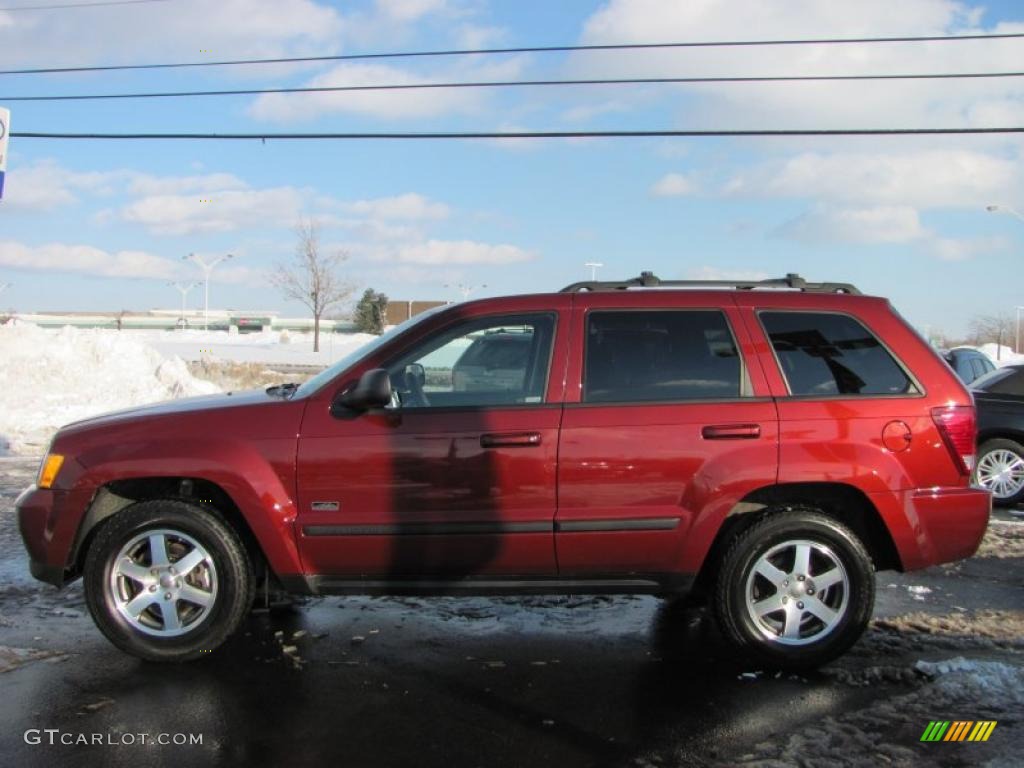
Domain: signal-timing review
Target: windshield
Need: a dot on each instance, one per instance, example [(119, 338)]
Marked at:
[(315, 383)]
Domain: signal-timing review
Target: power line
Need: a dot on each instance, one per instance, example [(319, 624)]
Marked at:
[(97, 4), (523, 49), (511, 84), (526, 134)]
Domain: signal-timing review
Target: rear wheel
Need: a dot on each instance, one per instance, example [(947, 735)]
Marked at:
[(1000, 470), (167, 581), (795, 589)]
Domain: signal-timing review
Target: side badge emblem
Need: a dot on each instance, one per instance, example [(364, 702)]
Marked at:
[(325, 506)]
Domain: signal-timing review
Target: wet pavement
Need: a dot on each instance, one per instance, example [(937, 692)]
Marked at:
[(573, 681)]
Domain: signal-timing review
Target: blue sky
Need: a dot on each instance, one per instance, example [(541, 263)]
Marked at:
[(103, 225)]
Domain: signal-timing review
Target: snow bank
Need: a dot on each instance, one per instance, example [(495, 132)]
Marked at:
[(274, 347), (51, 377), (1006, 355), (999, 684)]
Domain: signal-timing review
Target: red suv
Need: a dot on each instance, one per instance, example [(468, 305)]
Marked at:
[(766, 445)]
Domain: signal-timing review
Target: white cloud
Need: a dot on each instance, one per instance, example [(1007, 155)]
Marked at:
[(46, 185), (952, 249), (893, 224), (223, 211), (475, 36), (925, 178), (390, 104), (673, 185), (404, 11), (462, 252), (821, 104), (393, 104), (409, 206), (85, 259), (188, 29), (146, 184)]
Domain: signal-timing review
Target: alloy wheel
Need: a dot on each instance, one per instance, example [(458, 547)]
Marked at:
[(1002, 472), (163, 582), (797, 592)]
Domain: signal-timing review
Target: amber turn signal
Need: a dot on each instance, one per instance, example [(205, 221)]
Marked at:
[(49, 470)]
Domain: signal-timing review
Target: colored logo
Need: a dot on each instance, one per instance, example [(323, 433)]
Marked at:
[(958, 730)]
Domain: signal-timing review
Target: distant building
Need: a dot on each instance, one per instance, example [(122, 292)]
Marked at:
[(399, 311), (243, 321)]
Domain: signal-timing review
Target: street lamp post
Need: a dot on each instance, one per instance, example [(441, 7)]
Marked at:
[(1016, 343), (183, 289), (594, 265), (1011, 211), (465, 290), (207, 268), (1005, 209)]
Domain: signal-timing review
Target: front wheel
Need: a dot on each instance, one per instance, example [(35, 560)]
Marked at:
[(795, 589), (167, 581)]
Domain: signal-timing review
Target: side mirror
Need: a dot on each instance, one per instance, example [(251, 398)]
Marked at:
[(373, 390)]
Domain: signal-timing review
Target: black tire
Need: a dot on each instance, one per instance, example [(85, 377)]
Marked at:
[(999, 496), (225, 572), (739, 591)]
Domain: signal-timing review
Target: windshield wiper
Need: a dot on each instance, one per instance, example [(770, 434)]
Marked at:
[(284, 390)]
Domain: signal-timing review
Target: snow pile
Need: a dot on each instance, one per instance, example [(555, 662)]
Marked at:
[(51, 377), (272, 347), (1001, 355), (997, 683)]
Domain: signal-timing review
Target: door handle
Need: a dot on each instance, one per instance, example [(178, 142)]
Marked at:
[(731, 432), (504, 439)]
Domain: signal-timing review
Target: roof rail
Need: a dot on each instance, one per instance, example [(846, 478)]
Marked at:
[(650, 280)]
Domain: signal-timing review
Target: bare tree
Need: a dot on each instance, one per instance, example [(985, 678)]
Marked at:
[(313, 277), (996, 328)]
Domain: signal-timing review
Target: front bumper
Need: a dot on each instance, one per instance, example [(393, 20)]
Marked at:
[(39, 515)]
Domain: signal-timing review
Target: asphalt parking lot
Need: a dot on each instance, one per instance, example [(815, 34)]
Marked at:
[(567, 681)]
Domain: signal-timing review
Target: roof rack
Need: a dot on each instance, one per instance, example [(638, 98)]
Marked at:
[(792, 281)]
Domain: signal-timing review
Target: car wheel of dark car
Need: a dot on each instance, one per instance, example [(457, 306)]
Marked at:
[(795, 589), (167, 580), (1000, 469)]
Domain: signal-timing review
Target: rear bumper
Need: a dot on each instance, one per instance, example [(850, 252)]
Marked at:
[(38, 512), (936, 525)]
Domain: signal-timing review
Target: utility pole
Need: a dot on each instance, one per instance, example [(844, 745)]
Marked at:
[(207, 268), (183, 289), (594, 266)]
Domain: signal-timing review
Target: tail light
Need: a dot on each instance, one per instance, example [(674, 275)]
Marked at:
[(957, 426)]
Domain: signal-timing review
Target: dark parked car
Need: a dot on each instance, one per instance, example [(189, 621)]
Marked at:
[(766, 446), (999, 397), (969, 364)]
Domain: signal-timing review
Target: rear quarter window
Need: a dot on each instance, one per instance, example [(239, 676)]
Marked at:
[(824, 354)]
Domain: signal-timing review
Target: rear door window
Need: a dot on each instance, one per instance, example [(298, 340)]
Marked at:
[(655, 355), (825, 354)]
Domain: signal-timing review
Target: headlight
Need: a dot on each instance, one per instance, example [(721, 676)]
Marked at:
[(48, 471)]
